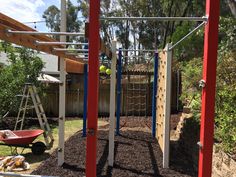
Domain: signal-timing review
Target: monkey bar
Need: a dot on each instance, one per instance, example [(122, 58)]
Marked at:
[(135, 50), (69, 49), (44, 33), (204, 18), (58, 43)]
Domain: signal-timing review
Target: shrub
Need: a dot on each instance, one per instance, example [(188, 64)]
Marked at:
[(25, 67)]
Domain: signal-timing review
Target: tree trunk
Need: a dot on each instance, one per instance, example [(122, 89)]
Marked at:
[(232, 6), (185, 11), (168, 23), (126, 42)]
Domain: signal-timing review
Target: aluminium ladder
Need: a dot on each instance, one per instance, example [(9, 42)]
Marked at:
[(30, 91)]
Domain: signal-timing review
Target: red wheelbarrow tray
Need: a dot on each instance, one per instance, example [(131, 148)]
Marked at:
[(24, 137)]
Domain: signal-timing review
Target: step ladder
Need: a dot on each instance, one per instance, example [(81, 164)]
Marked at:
[(30, 100)]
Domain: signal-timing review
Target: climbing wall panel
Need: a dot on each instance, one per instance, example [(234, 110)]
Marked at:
[(160, 98), (164, 103)]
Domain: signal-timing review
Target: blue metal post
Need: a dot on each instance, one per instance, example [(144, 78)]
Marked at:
[(85, 99), (118, 105), (154, 94)]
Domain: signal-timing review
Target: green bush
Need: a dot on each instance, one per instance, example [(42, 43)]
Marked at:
[(191, 75), (225, 117), (25, 67)]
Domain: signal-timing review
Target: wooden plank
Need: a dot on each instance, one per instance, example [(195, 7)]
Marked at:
[(166, 132), (160, 98), (164, 103), (75, 67)]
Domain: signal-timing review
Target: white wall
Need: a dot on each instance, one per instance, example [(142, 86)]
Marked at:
[(50, 61)]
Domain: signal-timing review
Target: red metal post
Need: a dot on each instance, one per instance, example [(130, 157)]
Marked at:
[(93, 78), (208, 92)]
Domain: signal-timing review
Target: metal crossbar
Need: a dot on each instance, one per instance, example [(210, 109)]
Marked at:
[(58, 43), (44, 33), (72, 50), (137, 50), (139, 56), (156, 18)]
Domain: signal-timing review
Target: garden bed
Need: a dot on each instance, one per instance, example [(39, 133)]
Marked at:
[(136, 154)]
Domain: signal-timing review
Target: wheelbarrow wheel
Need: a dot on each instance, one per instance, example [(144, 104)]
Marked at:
[(38, 148)]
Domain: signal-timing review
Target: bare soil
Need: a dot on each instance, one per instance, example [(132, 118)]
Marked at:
[(137, 154)]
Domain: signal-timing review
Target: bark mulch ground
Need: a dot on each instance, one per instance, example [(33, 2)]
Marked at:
[(137, 154)]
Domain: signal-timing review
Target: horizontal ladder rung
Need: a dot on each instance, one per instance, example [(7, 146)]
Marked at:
[(25, 96), (41, 113), (137, 96), (136, 89), (27, 108), (35, 94)]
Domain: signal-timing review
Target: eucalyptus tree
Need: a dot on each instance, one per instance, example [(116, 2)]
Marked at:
[(52, 17)]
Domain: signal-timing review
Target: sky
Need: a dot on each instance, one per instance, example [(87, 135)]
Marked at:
[(28, 10)]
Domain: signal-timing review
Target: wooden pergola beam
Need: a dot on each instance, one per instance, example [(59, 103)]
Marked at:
[(27, 42), (74, 67), (7, 23)]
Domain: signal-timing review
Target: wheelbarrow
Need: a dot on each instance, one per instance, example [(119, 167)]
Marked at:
[(24, 139)]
